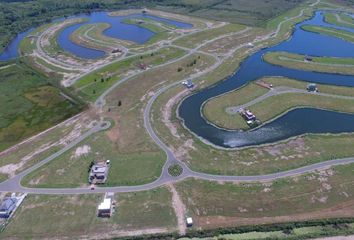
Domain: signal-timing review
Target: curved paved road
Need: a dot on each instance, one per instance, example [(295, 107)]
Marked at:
[(13, 184)]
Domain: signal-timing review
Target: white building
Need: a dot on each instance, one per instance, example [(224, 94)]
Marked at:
[(105, 208), (189, 222)]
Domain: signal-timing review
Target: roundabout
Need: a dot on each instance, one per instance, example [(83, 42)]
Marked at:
[(170, 137)]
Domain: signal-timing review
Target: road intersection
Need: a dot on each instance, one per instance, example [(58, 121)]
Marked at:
[(14, 184)]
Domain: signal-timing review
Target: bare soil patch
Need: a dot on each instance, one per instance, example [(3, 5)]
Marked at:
[(180, 209)]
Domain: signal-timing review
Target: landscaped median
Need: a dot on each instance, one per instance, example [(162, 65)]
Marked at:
[(311, 63), (271, 107), (345, 35)]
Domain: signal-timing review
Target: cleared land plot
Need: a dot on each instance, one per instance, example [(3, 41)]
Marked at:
[(74, 216), (72, 168), (323, 194), (193, 40), (271, 107), (345, 35), (224, 45), (29, 104), (340, 19), (316, 64), (93, 85)]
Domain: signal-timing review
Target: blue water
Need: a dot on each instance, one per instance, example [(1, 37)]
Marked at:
[(295, 122), (117, 30), (11, 51)]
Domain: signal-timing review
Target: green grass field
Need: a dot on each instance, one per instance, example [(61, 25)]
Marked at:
[(93, 85), (322, 194), (40, 148), (317, 64), (71, 169), (340, 19), (74, 216), (265, 110), (214, 109), (29, 104)]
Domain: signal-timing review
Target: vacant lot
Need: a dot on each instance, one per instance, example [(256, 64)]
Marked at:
[(74, 216), (323, 194), (198, 38), (93, 85)]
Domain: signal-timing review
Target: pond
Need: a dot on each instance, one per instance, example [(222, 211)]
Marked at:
[(295, 122), (118, 29)]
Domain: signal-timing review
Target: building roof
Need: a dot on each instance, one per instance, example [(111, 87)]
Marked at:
[(189, 220), (98, 169), (8, 204), (106, 204)]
